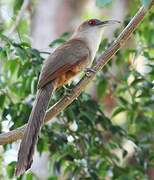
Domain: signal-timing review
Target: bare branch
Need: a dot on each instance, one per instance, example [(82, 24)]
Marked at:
[(19, 16), (66, 100)]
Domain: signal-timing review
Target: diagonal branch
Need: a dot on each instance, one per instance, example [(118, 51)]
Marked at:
[(66, 100), (19, 16)]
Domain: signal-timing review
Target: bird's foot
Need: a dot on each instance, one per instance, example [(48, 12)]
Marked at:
[(68, 91), (88, 71)]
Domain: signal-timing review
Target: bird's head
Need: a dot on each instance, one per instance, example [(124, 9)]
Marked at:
[(90, 31), (95, 25)]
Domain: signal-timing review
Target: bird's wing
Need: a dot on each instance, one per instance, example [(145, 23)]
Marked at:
[(62, 60)]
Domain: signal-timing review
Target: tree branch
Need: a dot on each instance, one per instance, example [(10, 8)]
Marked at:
[(66, 100), (19, 17)]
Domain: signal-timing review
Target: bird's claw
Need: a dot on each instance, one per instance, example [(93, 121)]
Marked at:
[(88, 71), (68, 91)]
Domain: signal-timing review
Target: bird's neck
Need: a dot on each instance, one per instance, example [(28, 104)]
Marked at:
[(91, 39)]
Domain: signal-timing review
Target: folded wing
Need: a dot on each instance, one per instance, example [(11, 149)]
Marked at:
[(62, 60)]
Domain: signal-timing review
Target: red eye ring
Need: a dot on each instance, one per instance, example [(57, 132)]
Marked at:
[(92, 22)]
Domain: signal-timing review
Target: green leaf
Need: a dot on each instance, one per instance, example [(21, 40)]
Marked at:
[(101, 87), (102, 2), (10, 169), (29, 176), (33, 85), (118, 110), (12, 65), (2, 99), (123, 101), (136, 81), (116, 129), (34, 53), (56, 42), (21, 52), (17, 5), (65, 35), (5, 38), (23, 28)]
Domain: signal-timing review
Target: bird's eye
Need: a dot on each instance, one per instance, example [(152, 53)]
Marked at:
[(92, 22)]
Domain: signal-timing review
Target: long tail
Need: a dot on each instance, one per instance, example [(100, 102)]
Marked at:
[(26, 151)]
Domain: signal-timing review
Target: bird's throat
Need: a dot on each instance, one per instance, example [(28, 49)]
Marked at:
[(92, 40)]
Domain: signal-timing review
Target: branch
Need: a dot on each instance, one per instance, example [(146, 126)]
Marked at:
[(66, 100), (19, 17)]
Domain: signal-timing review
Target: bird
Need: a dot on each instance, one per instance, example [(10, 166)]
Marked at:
[(66, 61)]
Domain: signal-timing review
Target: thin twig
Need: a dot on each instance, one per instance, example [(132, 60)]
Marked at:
[(66, 100), (19, 17)]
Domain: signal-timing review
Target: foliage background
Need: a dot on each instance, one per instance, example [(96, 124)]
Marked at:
[(88, 140)]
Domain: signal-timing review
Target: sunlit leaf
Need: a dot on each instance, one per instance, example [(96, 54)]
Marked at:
[(118, 110), (10, 169), (29, 176)]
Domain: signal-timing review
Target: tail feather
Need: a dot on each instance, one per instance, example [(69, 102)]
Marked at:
[(27, 146)]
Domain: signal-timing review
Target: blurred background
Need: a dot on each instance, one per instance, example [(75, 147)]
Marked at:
[(108, 132)]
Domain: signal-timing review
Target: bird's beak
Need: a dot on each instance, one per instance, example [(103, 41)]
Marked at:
[(108, 23)]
